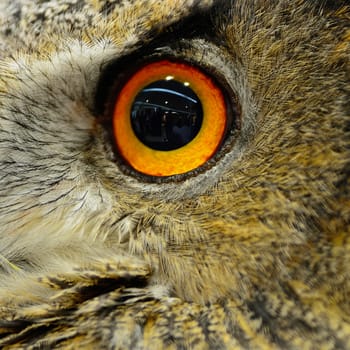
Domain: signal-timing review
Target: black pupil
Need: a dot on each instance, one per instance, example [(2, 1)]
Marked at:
[(166, 115)]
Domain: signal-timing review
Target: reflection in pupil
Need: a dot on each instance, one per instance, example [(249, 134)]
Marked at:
[(166, 115)]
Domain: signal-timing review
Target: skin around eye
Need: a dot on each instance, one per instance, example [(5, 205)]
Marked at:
[(169, 118)]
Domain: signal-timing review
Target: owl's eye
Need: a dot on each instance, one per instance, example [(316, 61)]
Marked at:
[(169, 118)]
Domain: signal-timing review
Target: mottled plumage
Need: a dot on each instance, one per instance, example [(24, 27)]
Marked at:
[(252, 251)]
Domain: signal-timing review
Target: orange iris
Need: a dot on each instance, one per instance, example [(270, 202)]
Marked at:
[(202, 147)]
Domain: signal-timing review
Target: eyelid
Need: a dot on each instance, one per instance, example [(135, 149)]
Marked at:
[(211, 59)]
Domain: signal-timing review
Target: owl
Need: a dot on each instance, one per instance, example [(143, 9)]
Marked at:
[(174, 174)]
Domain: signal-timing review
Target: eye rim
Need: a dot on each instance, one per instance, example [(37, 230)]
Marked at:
[(109, 88), (195, 153)]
